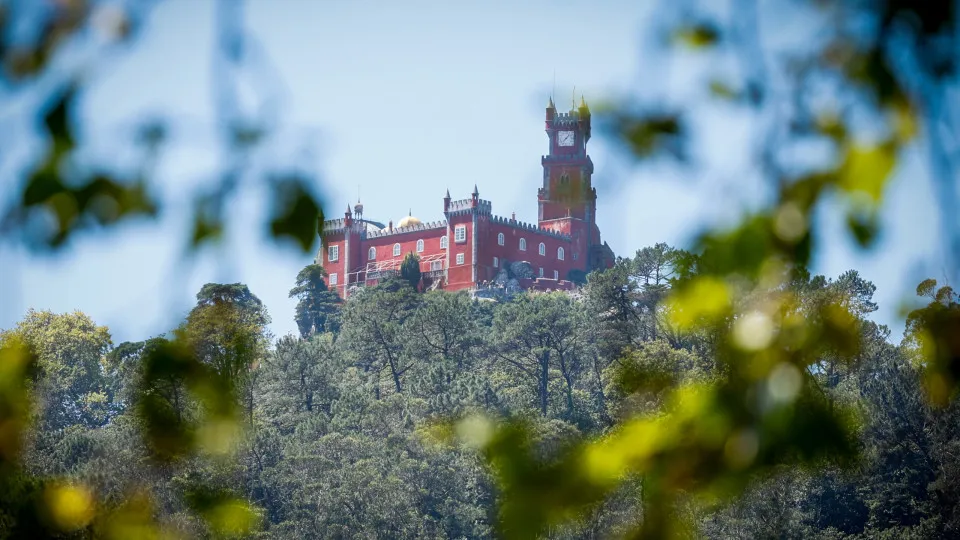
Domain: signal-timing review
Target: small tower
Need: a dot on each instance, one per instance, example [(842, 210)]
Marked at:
[(584, 122), (347, 216), (358, 210), (551, 109), (446, 201)]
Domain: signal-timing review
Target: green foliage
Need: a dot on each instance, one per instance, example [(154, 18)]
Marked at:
[(64, 195), (410, 270), (932, 334), (661, 438), (69, 383), (318, 308), (94, 199)]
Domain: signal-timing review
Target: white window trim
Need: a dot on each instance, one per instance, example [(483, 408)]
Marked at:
[(542, 249), (496, 262), (460, 258), (419, 246), (443, 242), (460, 234), (372, 253), (333, 253), (560, 254), (333, 278), (436, 265), (500, 239), (556, 275), (541, 271), (523, 244), (396, 250)]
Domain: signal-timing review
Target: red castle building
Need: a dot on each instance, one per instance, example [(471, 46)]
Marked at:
[(472, 247)]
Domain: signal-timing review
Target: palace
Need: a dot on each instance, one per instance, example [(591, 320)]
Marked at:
[(471, 247)]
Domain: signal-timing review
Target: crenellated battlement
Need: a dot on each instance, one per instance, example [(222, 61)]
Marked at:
[(466, 205), (528, 227), (567, 118), (333, 226), (403, 230)]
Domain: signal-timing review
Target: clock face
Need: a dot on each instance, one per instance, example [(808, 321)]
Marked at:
[(565, 138)]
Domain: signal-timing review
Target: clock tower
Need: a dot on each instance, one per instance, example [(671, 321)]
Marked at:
[(567, 169)]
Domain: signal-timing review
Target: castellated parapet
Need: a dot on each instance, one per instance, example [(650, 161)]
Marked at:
[(404, 230)]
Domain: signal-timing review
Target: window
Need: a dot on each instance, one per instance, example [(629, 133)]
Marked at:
[(372, 253), (459, 258), (556, 274), (443, 242), (436, 265), (333, 279), (396, 250), (542, 249), (460, 233), (500, 239), (560, 254), (419, 246), (333, 253), (523, 244), (496, 262), (541, 271)]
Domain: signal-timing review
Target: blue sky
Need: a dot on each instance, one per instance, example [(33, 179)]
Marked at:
[(403, 103)]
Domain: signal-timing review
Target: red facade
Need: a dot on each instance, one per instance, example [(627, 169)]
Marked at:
[(471, 248)]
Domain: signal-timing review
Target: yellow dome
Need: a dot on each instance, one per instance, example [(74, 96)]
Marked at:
[(408, 221)]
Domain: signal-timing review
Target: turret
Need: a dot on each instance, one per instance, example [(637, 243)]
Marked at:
[(446, 201), (475, 195), (584, 113), (551, 110)]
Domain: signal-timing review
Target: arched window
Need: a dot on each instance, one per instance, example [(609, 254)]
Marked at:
[(419, 246), (372, 253), (500, 239), (443, 242), (542, 249), (396, 250), (496, 262), (560, 254), (523, 244)]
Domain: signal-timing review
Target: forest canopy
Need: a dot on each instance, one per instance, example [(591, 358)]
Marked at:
[(437, 415)]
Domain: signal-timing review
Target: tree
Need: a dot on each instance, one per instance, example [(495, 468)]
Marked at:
[(931, 338), (298, 379), (373, 331), (447, 338), (410, 270), (541, 337), (318, 308), (70, 349), (611, 299), (227, 330)]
